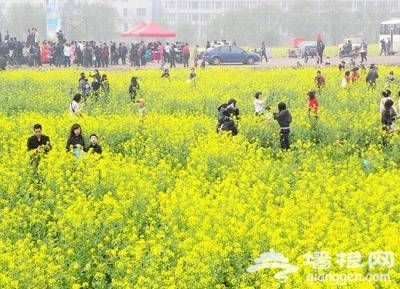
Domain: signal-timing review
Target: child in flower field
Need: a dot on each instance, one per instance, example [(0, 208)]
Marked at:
[(284, 119), (319, 80), (75, 140), (192, 76), (258, 103), (312, 104), (75, 107), (82, 82), (269, 116), (142, 108), (355, 76), (165, 73), (94, 145), (85, 87), (133, 88)]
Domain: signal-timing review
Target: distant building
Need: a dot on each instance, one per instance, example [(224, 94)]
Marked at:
[(202, 12), (131, 12)]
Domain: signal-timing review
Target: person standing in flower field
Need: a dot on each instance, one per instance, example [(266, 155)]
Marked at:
[(390, 78), (94, 145), (372, 76), (75, 107), (355, 76), (75, 140), (345, 80), (388, 117), (258, 103), (284, 119), (105, 86), (319, 80), (312, 104), (192, 76), (133, 88), (226, 114), (386, 95), (142, 108), (38, 141)]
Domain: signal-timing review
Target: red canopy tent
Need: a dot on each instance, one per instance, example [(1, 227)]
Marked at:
[(153, 30), (131, 32)]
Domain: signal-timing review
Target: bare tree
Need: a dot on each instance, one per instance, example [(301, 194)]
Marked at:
[(23, 16)]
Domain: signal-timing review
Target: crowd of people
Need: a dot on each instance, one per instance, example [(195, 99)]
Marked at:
[(228, 113), (96, 55), (60, 53)]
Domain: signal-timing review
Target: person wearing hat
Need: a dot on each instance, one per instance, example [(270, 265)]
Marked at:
[(142, 107)]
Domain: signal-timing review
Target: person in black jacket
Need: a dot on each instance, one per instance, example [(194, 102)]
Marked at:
[(227, 112), (388, 116), (94, 145), (38, 141), (284, 119), (372, 76), (133, 88), (75, 140)]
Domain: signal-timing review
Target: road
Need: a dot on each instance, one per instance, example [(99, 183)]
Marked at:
[(274, 62)]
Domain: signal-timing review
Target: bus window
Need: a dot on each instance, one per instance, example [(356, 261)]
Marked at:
[(396, 30), (384, 28)]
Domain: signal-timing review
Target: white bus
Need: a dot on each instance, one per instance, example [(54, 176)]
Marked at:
[(390, 30)]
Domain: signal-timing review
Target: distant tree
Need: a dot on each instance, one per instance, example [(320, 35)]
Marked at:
[(94, 21), (187, 32), (23, 16), (247, 27), (302, 19)]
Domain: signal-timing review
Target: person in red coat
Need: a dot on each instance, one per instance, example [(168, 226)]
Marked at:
[(312, 104)]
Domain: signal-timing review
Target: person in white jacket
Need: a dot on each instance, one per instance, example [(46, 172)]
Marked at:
[(258, 103)]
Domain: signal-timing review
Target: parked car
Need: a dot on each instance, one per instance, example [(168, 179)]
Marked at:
[(309, 47), (230, 54)]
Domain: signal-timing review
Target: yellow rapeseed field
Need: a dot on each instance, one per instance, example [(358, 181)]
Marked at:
[(172, 204)]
